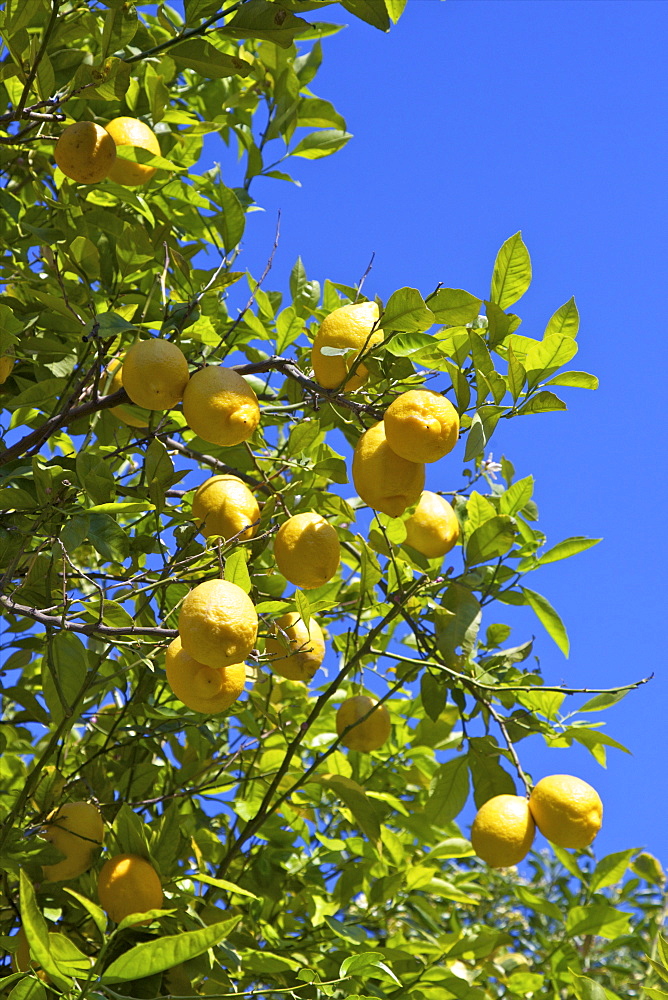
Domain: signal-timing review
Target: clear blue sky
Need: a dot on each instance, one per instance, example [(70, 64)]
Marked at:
[(473, 120)]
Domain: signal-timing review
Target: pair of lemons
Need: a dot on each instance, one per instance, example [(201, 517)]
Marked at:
[(566, 810), (86, 152)]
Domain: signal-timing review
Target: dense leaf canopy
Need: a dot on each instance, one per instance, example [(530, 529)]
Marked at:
[(291, 865)]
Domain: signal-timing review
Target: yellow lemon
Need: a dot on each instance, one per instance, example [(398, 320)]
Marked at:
[(76, 829), (126, 131), (307, 550), (567, 810), (503, 830), (306, 647), (204, 689), (220, 406), (350, 326), (155, 374), (218, 623), (382, 479), (421, 425), (367, 735), (6, 365), (433, 528), (223, 505), (133, 416), (128, 884), (85, 152)]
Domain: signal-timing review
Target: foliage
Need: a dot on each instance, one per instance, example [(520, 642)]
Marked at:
[(290, 867)]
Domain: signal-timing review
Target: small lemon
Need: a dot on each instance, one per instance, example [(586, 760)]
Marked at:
[(382, 479), (155, 374), (85, 152), (306, 648), (367, 735), (220, 406), (133, 416), (76, 829), (567, 810), (128, 884), (126, 131), (307, 550), (503, 830), (421, 425), (433, 528), (6, 365), (223, 505), (349, 326), (201, 688), (218, 623)]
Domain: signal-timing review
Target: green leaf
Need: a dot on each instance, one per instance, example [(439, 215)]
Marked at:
[(569, 547), (454, 306), (164, 953), (121, 507), (449, 791), (460, 625), (548, 617), (601, 919), (371, 11), (405, 344), (433, 695), (303, 606), (406, 310), (108, 537), (516, 496), (492, 539), (87, 256), (232, 222), (236, 569), (575, 380), (512, 272), (70, 664), (207, 60), (546, 355), (318, 144), (611, 869), (566, 320), (37, 934), (395, 8), (482, 427), (542, 402), (647, 867), (269, 21), (369, 963), (516, 375), (96, 912), (27, 988), (221, 883), (488, 776), (355, 798)]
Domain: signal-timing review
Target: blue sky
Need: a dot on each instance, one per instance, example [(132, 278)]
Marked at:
[(472, 120)]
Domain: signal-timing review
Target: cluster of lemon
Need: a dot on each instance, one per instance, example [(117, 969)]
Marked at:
[(566, 810), (127, 883), (86, 152)]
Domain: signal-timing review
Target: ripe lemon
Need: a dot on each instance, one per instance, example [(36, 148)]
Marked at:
[(382, 479), (218, 623), (6, 365), (223, 505), (307, 550), (76, 829), (368, 735), (204, 689), (155, 374), (128, 884), (433, 529), (307, 648), (503, 830), (85, 152), (349, 326), (133, 416), (421, 425), (220, 406), (567, 810), (126, 131)]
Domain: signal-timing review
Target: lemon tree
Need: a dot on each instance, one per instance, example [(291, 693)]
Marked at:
[(259, 687)]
